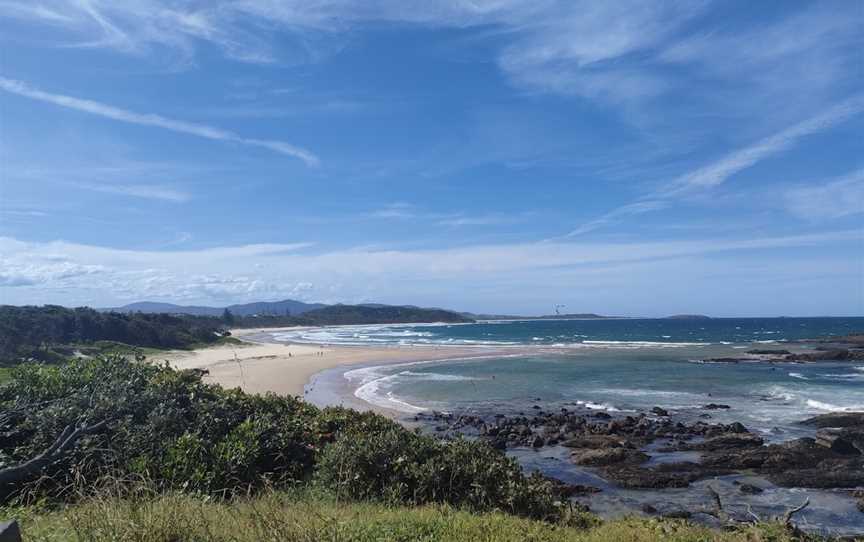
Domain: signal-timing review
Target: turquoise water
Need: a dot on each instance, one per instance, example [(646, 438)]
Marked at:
[(613, 365), (766, 397), (620, 366), (635, 332)]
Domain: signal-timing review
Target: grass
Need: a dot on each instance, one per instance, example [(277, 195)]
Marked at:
[(305, 517), (5, 374)]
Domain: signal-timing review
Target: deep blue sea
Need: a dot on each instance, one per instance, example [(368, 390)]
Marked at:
[(635, 332), (619, 366)]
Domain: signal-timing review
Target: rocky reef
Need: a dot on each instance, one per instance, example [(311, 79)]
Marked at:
[(619, 448)]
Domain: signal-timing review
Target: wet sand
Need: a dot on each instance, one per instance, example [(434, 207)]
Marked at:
[(260, 367)]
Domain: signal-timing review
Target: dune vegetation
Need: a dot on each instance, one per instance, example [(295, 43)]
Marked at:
[(109, 448)]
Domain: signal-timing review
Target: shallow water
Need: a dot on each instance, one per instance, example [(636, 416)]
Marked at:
[(623, 366), (610, 333)]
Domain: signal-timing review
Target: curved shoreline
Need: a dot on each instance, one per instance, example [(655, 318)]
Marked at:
[(293, 369), (318, 373)]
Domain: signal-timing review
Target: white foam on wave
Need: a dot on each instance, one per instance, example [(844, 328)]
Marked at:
[(438, 377), (600, 406), (374, 390), (648, 393), (842, 376), (820, 405), (375, 385), (777, 392), (798, 375), (640, 344)]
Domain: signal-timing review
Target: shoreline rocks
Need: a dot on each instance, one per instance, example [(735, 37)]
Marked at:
[(619, 447)]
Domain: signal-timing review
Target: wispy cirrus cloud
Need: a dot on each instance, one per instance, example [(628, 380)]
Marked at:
[(618, 214), (145, 191), (408, 211), (58, 271), (836, 198), (149, 119), (719, 171)]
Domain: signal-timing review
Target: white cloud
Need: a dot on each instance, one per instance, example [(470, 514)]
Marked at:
[(34, 11), (836, 198), (146, 191), (719, 171), (149, 119), (616, 215), (101, 275)]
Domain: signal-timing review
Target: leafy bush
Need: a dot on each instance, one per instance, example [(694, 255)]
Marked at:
[(398, 466), (174, 432), (40, 332)]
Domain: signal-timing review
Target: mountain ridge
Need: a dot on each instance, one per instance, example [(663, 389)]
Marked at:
[(271, 308)]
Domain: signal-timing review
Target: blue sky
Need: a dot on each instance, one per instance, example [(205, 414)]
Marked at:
[(632, 158)]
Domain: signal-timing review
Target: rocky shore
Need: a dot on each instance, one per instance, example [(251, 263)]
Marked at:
[(846, 348), (619, 448)]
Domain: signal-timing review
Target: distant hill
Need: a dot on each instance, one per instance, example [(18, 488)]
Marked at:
[(262, 308), (573, 316), (380, 314), (688, 317)]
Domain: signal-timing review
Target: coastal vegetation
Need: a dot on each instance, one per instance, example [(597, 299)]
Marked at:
[(78, 459), (222, 443), (52, 333), (312, 517)]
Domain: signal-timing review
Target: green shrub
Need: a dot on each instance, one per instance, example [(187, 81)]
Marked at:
[(397, 466), (168, 428)]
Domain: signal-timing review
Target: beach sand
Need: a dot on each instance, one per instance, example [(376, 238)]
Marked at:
[(258, 367)]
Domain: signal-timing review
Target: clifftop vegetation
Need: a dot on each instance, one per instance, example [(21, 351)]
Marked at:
[(41, 332), (108, 448), (51, 333)]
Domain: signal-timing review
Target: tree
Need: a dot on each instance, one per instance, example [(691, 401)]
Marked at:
[(227, 317)]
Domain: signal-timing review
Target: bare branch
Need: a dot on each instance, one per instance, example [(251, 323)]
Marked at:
[(787, 517), (67, 439), (750, 511)]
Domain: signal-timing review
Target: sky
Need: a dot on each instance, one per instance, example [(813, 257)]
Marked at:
[(627, 158)]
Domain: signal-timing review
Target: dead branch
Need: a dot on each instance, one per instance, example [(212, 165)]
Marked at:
[(787, 517), (67, 439)]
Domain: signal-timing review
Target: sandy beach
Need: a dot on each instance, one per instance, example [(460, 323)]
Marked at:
[(259, 367)]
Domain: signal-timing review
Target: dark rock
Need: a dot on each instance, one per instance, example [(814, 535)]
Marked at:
[(631, 477), (602, 415), (648, 509), (736, 427), (749, 489), (537, 442), (836, 419), (768, 352), (9, 531), (859, 495), (839, 354), (611, 456), (715, 406), (728, 441), (847, 441), (660, 411), (593, 441), (677, 514)]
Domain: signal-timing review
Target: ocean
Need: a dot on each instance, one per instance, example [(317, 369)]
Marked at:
[(614, 365), (619, 366)]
